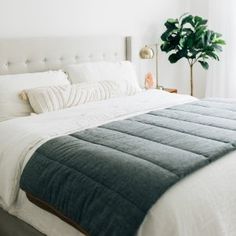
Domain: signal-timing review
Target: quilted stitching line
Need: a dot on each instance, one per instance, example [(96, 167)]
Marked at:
[(174, 147), (128, 154)]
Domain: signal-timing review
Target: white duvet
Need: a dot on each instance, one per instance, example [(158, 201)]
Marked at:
[(204, 203)]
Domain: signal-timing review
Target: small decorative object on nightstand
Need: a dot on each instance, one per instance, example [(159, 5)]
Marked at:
[(171, 90), (149, 53), (150, 83)]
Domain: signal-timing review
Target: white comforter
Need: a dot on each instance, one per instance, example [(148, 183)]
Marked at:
[(204, 203)]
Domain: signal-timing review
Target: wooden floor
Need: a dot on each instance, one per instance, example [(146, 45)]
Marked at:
[(12, 226)]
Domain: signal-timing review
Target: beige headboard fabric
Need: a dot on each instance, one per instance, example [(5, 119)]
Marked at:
[(42, 54)]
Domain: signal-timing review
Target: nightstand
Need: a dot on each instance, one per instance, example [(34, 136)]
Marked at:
[(171, 90)]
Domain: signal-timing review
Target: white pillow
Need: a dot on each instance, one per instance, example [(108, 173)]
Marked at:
[(121, 72), (54, 98), (11, 105)]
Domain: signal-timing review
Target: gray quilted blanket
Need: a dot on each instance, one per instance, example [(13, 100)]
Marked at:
[(106, 179)]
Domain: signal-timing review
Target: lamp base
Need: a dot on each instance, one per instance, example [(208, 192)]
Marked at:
[(160, 87)]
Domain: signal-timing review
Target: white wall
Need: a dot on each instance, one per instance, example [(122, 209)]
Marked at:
[(142, 19)]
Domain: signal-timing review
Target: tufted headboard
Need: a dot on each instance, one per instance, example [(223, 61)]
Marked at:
[(41, 54)]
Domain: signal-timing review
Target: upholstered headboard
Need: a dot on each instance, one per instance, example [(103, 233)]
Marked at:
[(41, 54)]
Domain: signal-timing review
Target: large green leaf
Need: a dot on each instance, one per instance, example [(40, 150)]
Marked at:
[(187, 19), (187, 31), (199, 21), (182, 42), (165, 35), (193, 53), (174, 40), (190, 41), (212, 55), (199, 32), (167, 47), (217, 48), (200, 44), (171, 24), (219, 41), (204, 64), (172, 21), (173, 58)]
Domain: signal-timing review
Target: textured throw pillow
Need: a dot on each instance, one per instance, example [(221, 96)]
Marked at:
[(47, 99), (121, 72), (11, 105)]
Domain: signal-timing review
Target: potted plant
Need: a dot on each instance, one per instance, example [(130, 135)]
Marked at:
[(189, 37)]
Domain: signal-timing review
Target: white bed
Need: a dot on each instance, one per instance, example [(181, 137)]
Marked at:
[(204, 203)]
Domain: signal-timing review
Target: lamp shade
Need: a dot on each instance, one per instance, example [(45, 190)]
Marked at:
[(146, 53)]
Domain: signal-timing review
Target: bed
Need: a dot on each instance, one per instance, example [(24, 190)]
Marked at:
[(203, 203)]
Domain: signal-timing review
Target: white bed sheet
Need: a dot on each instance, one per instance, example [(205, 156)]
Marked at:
[(202, 204)]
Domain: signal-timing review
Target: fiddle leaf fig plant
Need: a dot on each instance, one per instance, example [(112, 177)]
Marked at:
[(189, 37)]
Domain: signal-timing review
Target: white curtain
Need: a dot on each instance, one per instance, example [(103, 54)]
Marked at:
[(221, 78)]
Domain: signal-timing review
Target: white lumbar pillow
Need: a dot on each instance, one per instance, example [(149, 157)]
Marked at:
[(121, 72), (55, 98), (11, 105)]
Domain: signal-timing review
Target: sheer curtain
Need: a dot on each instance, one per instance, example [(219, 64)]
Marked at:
[(221, 78)]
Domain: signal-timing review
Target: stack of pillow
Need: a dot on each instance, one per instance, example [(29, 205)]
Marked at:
[(23, 94)]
